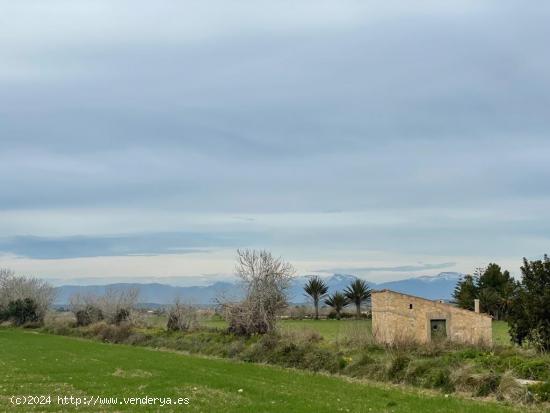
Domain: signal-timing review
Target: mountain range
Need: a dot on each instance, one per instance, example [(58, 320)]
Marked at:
[(431, 287)]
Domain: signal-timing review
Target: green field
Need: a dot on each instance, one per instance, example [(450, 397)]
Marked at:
[(41, 364)]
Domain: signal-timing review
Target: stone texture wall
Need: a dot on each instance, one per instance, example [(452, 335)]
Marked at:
[(394, 320)]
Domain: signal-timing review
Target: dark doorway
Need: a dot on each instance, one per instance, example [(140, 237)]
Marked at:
[(438, 329)]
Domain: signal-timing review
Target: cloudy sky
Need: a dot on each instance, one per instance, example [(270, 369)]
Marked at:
[(385, 139)]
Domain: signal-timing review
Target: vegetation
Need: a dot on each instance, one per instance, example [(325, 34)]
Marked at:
[(317, 289), (181, 317), (210, 384), (265, 280), (88, 314), (115, 307), (253, 331), (530, 315), (493, 287), (525, 304), (350, 351), (357, 293), (24, 299), (21, 312), (337, 301)]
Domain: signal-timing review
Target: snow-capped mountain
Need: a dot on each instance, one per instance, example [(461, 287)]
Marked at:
[(440, 286), (435, 287)]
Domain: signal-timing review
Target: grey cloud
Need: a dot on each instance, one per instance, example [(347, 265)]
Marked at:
[(256, 108), (119, 245)]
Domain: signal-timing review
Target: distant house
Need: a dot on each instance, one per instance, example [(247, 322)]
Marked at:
[(401, 317)]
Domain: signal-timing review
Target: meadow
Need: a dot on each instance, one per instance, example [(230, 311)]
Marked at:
[(34, 363), (346, 348)]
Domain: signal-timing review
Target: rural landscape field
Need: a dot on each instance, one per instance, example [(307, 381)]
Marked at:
[(310, 206), (40, 364)]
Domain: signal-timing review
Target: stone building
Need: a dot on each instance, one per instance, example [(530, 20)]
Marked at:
[(401, 317)]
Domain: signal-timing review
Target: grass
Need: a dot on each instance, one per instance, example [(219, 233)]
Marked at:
[(329, 329), (501, 336), (42, 364)]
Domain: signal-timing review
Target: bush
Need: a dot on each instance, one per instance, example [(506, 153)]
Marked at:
[(22, 312), (440, 378), (121, 316), (537, 369), (136, 339), (88, 315), (266, 280), (61, 323), (111, 333), (322, 360), (397, 368), (510, 390), (114, 307), (541, 391), (17, 290), (181, 317)]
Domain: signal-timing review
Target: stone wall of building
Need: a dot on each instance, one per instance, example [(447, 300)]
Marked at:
[(399, 317)]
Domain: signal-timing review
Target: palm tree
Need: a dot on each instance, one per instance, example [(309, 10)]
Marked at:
[(316, 288), (337, 301), (357, 292)]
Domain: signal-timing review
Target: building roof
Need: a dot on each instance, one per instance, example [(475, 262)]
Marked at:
[(385, 290)]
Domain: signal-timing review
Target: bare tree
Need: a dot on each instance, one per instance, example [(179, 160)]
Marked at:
[(265, 280), (13, 288), (86, 309), (115, 306), (181, 317)]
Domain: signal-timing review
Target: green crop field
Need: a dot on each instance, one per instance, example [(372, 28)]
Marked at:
[(39, 364)]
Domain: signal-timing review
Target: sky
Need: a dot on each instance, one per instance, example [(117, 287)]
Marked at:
[(144, 140)]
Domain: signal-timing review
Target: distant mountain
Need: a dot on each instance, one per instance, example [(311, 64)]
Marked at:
[(430, 287), (336, 282), (440, 286), (154, 292)]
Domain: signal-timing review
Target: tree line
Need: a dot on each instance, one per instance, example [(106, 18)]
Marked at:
[(357, 293), (524, 303)]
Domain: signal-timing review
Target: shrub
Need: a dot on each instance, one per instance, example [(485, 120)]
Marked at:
[(397, 367), (467, 379), (122, 315), (136, 339), (22, 312), (181, 317), (537, 369), (322, 360), (15, 289), (266, 280), (288, 354), (235, 348), (111, 333), (439, 378), (114, 307), (88, 315), (366, 366), (541, 391), (510, 390), (61, 323), (418, 371)]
